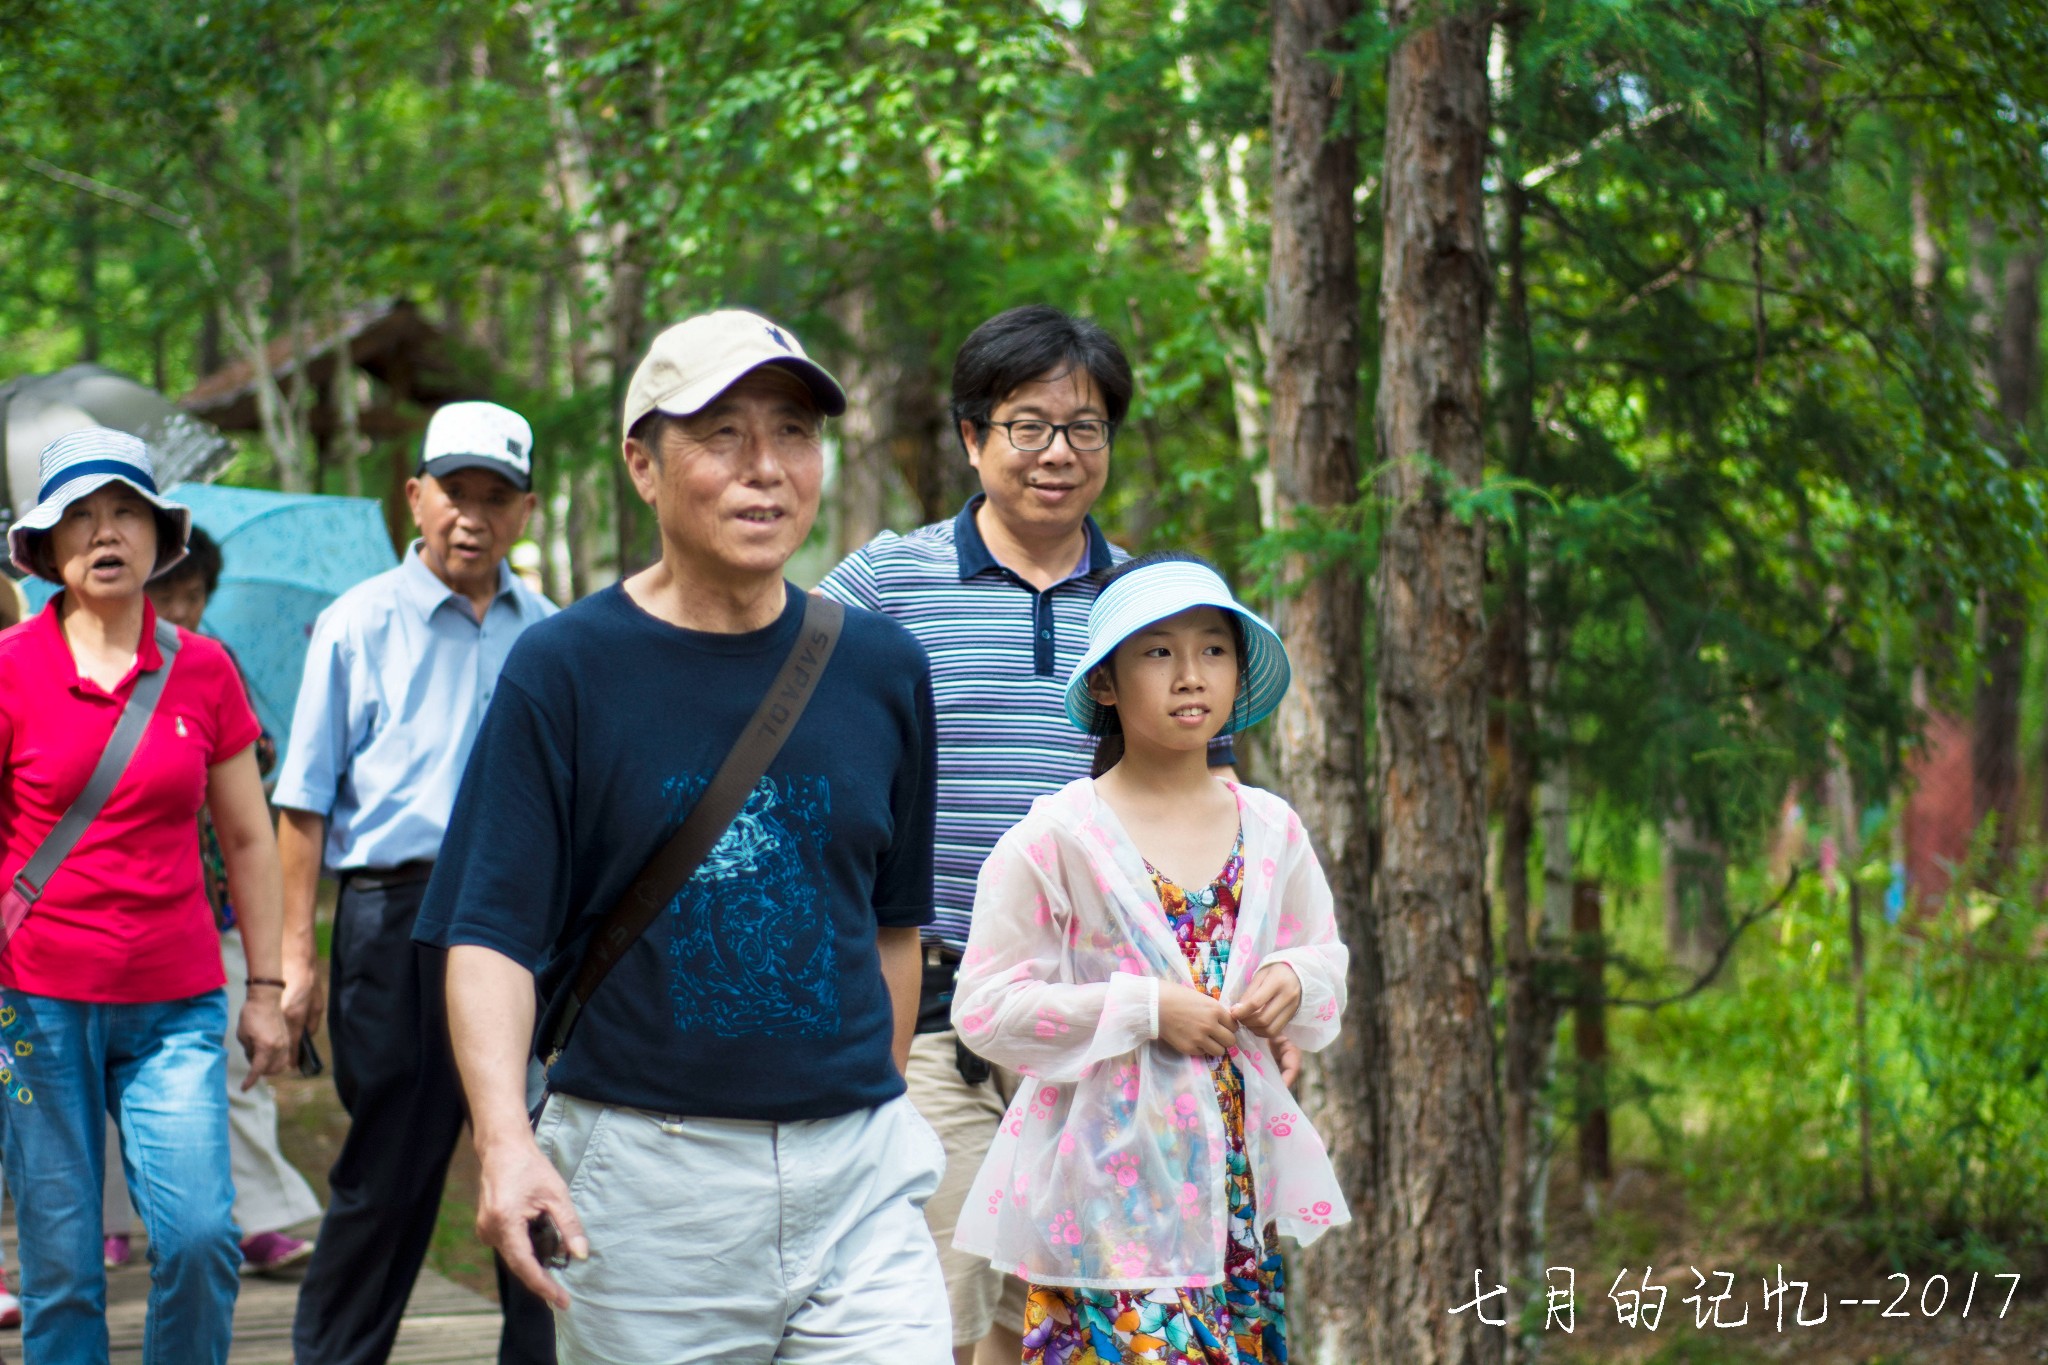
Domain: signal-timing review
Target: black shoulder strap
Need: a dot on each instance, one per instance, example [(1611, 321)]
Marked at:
[(677, 860)]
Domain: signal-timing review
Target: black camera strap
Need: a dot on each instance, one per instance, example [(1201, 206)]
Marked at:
[(678, 859)]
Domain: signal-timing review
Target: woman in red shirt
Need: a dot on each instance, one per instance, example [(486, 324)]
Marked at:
[(111, 999)]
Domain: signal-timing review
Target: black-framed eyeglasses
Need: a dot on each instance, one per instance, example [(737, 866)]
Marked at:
[(1030, 435)]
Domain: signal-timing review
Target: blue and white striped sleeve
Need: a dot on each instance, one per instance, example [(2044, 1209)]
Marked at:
[(855, 582)]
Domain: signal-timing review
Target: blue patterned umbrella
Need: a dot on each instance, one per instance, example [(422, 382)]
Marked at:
[(284, 557)]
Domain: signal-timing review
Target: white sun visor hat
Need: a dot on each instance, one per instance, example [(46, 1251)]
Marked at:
[(694, 361), (79, 464), (1168, 588), (479, 435)]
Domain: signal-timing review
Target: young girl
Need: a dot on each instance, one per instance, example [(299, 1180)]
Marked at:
[(1139, 941)]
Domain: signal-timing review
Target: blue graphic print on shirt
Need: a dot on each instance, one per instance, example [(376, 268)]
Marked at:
[(758, 993), (751, 949)]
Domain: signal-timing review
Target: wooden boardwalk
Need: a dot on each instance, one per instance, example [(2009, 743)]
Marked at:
[(445, 1324)]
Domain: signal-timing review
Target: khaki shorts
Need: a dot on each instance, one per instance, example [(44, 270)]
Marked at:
[(966, 1118)]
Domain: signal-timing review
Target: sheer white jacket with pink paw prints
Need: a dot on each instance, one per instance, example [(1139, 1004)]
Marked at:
[(1108, 1171)]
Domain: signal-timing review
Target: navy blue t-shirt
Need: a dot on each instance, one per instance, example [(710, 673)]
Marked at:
[(758, 994)]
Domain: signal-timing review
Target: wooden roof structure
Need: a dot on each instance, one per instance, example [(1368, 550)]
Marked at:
[(391, 341)]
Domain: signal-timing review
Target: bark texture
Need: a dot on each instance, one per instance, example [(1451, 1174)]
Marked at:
[(860, 494), (1312, 307), (1696, 921), (1531, 1014), (896, 434), (2011, 307), (1435, 1215), (1530, 1025)]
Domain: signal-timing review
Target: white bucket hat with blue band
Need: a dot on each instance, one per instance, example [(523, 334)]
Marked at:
[(1153, 593), (79, 464)]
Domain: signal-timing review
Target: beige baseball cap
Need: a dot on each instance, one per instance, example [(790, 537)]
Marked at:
[(696, 360)]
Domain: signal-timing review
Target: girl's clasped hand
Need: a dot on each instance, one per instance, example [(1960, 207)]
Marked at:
[(1196, 1024), (1268, 1004)]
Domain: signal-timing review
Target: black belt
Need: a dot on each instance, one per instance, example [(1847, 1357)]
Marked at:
[(382, 878), (935, 1008), (935, 989)]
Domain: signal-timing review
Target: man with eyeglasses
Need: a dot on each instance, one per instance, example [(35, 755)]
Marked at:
[(999, 597)]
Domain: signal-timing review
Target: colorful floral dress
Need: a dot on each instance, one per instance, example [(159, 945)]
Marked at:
[(1242, 1322)]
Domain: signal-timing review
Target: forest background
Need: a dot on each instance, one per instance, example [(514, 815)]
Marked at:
[(1720, 323)]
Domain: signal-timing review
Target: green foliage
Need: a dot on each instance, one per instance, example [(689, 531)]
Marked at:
[(1752, 1091), (1760, 449)]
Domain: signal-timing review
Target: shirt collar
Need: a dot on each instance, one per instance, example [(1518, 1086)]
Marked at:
[(973, 552), (50, 628), (428, 593)]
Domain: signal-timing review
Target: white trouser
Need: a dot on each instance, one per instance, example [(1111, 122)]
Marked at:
[(269, 1192), (738, 1241)]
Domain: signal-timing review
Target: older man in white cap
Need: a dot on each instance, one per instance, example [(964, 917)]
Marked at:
[(398, 676), (748, 1176)]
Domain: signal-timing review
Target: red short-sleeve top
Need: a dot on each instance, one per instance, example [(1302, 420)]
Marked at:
[(125, 920)]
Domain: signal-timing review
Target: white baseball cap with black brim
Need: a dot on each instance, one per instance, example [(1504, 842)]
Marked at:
[(694, 361), (80, 463), (1155, 592), (479, 435)]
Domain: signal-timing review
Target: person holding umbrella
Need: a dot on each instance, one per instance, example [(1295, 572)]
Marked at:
[(115, 729)]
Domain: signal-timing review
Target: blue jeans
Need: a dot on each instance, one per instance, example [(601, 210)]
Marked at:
[(160, 1071)]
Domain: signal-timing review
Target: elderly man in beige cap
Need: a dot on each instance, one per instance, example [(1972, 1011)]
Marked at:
[(726, 1152)]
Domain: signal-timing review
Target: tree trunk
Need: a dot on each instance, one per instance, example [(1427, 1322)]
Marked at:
[(1434, 1207), (1525, 1040), (1225, 207), (866, 463), (209, 355), (448, 188), (1547, 639), (920, 435), (638, 545), (1530, 1022), (1695, 891), (86, 238), (1846, 814), (1589, 1032), (579, 527), (1927, 262), (298, 468), (552, 469), (611, 275), (2011, 308), (1312, 309), (343, 399), (273, 409)]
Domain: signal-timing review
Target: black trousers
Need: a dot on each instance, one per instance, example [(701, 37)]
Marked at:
[(387, 1018)]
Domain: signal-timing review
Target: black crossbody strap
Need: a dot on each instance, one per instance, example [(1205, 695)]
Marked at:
[(678, 859)]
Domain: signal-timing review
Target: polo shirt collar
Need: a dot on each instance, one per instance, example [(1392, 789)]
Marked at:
[(49, 627), (428, 593), (973, 552)]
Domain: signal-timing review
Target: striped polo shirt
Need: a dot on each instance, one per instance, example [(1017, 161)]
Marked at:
[(1001, 654)]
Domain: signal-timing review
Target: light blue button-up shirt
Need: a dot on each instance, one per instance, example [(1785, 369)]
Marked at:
[(398, 674)]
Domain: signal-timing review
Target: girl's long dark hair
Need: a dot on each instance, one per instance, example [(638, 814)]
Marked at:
[(1109, 727)]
